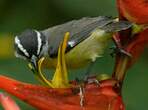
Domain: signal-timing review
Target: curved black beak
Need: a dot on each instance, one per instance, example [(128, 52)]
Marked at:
[(34, 63)]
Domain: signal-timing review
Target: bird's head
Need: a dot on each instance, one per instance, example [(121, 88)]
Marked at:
[(29, 45)]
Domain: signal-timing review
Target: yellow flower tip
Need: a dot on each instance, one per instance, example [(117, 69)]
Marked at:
[(65, 40), (67, 34), (60, 79), (40, 62)]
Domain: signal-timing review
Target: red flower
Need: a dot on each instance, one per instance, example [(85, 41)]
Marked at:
[(103, 96), (134, 10), (64, 95), (97, 97), (8, 103)]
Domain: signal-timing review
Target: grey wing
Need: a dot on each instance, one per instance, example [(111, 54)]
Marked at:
[(106, 24), (79, 31)]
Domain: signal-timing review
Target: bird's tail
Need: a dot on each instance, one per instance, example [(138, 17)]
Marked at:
[(116, 26)]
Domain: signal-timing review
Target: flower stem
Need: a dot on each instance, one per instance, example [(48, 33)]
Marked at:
[(121, 69)]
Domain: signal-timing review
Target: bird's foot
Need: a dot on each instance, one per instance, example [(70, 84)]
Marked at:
[(95, 81), (81, 86), (60, 78), (117, 50), (92, 80), (82, 97), (87, 80)]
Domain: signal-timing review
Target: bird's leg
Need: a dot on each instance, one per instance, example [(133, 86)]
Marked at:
[(88, 71), (87, 76), (60, 78), (81, 93)]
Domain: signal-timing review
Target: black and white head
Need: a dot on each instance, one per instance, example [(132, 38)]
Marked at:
[(30, 45)]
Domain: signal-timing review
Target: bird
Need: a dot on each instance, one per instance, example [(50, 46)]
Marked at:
[(89, 36)]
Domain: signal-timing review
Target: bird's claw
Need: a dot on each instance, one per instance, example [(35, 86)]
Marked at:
[(87, 80), (117, 50), (95, 81)]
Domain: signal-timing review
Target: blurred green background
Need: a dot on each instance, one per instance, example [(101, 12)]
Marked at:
[(17, 15)]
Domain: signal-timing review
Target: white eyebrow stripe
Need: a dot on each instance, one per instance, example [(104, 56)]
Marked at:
[(39, 41), (17, 41)]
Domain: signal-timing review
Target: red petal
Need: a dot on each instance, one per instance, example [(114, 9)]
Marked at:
[(8, 103), (134, 10), (103, 97), (136, 45)]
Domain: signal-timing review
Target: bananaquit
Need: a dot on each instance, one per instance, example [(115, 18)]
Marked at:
[(88, 40)]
